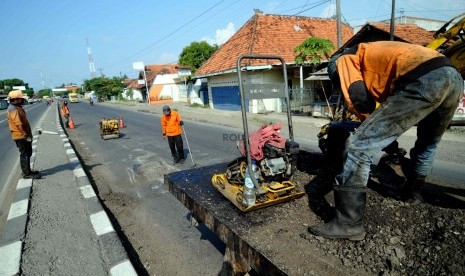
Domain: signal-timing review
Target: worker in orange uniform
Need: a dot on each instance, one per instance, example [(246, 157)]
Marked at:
[(171, 125), (414, 85), (21, 133), (65, 113)]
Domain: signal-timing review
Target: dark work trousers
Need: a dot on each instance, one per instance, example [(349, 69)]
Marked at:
[(176, 147), (67, 121), (25, 152)]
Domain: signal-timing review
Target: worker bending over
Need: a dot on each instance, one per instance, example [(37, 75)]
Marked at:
[(415, 85)]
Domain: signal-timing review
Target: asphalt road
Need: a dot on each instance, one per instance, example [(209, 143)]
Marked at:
[(129, 175)]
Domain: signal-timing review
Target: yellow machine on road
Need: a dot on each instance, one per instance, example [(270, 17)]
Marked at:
[(451, 42), (272, 174)]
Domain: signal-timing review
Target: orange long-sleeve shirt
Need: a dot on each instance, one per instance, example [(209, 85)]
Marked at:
[(380, 65), (16, 119), (170, 124)]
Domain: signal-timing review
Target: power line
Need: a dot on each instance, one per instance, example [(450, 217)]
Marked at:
[(168, 35)]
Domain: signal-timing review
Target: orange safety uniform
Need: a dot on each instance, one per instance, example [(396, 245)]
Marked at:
[(381, 65), (65, 110), (17, 117), (170, 124)]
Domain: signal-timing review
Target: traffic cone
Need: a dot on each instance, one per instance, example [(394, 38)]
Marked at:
[(121, 122), (71, 122)]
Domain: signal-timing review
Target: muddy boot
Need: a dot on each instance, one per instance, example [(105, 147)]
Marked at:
[(348, 223), (411, 191), (26, 169)]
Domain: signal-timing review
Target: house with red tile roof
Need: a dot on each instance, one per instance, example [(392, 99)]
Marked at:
[(164, 82), (264, 34)]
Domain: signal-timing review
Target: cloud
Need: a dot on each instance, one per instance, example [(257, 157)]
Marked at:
[(222, 35)]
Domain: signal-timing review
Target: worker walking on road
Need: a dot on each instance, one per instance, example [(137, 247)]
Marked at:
[(21, 133), (65, 113), (415, 85), (171, 125)]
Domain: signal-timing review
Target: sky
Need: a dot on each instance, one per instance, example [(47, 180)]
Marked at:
[(45, 42)]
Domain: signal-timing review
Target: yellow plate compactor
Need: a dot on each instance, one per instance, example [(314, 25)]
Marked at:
[(272, 174)]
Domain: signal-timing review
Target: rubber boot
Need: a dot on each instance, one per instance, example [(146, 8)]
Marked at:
[(26, 169), (350, 208), (411, 191)]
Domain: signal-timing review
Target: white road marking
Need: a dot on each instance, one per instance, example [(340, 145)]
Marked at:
[(18, 208), (11, 257), (124, 268), (24, 183), (87, 191), (101, 223), (79, 172)]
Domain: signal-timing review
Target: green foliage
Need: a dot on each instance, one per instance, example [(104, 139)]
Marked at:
[(195, 54), (8, 84), (104, 87), (44, 92), (312, 50)]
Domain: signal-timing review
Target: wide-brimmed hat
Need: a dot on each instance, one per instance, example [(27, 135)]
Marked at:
[(15, 94), (166, 110)]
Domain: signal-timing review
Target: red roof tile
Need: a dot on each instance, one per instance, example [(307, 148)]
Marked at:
[(408, 32), (271, 35)]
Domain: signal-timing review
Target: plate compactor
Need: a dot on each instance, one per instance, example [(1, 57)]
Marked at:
[(272, 173)]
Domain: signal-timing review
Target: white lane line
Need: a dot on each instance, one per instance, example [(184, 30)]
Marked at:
[(79, 172), (18, 208), (24, 183), (49, 132), (124, 268), (87, 191), (11, 257), (101, 223)]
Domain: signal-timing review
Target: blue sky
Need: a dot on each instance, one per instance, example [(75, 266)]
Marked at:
[(43, 42)]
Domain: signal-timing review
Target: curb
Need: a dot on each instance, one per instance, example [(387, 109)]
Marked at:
[(11, 242)]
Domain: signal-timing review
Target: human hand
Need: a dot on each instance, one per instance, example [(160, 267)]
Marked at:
[(29, 139), (181, 123), (164, 136)]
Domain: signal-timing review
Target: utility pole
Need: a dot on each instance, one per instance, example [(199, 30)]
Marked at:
[(338, 24), (91, 60), (393, 18)]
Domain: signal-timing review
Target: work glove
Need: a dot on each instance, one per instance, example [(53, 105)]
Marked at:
[(181, 123), (29, 139), (164, 136)]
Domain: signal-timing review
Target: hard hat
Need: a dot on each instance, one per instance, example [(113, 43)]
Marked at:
[(166, 110), (16, 94)]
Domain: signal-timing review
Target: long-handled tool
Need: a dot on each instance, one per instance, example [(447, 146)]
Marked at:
[(188, 147)]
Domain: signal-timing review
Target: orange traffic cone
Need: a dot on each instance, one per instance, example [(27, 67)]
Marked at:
[(71, 122), (121, 122)]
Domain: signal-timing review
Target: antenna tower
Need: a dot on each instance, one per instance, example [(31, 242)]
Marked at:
[(91, 60)]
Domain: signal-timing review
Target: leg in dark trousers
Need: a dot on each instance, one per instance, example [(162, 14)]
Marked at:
[(180, 147), (25, 152)]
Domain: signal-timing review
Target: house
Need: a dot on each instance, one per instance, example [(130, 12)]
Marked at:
[(165, 82), (264, 34)]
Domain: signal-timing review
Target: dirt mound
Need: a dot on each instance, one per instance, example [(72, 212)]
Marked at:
[(402, 238)]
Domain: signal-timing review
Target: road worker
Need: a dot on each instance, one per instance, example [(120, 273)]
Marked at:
[(414, 85), (21, 133), (65, 113), (171, 125)]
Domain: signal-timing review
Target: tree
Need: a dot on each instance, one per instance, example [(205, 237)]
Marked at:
[(104, 87), (312, 50), (195, 54)]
